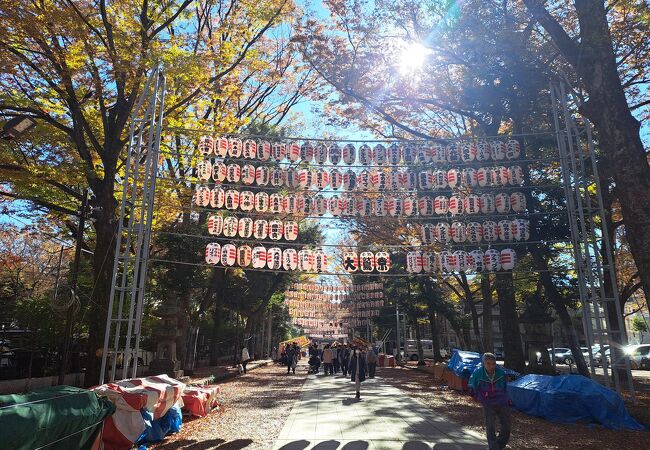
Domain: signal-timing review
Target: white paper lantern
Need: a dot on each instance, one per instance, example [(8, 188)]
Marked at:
[(262, 175), (275, 203), (515, 176), (425, 180), (363, 180), (336, 179), (475, 260), (364, 207), (228, 255), (292, 178), (221, 147), (289, 204), (455, 205), (505, 230), (350, 262), (219, 172), (274, 258), (409, 154), (217, 197), (276, 229), (204, 170), (261, 202), (441, 205), (382, 262), (474, 232), (322, 179), (483, 177), (469, 178), (447, 261), (438, 153), (244, 256), (349, 154), (230, 226), (259, 257), (443, 233), (508, 259), (349, 180), (461, 263), (320, 204), (429, 262), (392, 180), (235, 147), (277, 177), (426, 206), (502, 203), (260, 229), (492, 260), (202, 196), (320, 153), (304, 204), (320, 261), (248, 174), (305, 260), (305, 178), (497, 150), (213, 253), (402, 180), (249, 151), (472, 204), (349, 205), (246, 201), (409, 206), (502, 175), (291, 230), (513, 149), (490, 231), (367, 261), (335, 154), (215, 225), (458, 232), (521, 229), (487, 204), (234, 173), (428, 233), (469, 151), (206, 145), (394, 154), (245, 227), (289, 259), (414, 262), (293, 151), (395, 206), (278, 151), (263, 150), (380, 207), (453, 153), (307, 152), (440, 179), (518, 202), (335, 205), (453, 178)]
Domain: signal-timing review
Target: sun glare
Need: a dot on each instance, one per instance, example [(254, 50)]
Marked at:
[(412, 57)]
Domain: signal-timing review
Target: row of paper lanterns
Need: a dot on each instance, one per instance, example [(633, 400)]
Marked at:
[(460, 261), (348, 205), (245, 227), (380, 154), (260, 258), (313, 312), (334, 296), (475, 232), (364, 181), (319, 304), (357, 287)]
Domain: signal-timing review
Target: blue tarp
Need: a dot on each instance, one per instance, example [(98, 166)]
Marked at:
[(463, 363), (570, 399)]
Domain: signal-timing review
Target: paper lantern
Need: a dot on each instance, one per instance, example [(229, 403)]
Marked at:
[(217, 197), (521, 229), (364, 207), (245, 227), (289, 259), (322, 179), (380, 207), (502, 176), (380, 154), (373, 181), (409, 206), (260, 229), (492, 260), (457, 232), (320, 261), (438, 153), (263, 150), (483, 177), (349, 205), (426, 206), (278, 151), (235, 147), (305, 178), (447, 261), (202, 196), (349, 154), (335, 154), (304, 204), (453, 178), (221, 147), (259, 257), (395, 206), (320, 153), (441, 205), (505, 230), (440, 179), (414, 262), (381, 180), (349, 180), (425, 180), (234, 173), (334, 205), (247, 174), (469, 151), (513, 149), (293, 151), (291, 230), (382, 262), (367, 261), (487, 203), (261, 202), (482, 151), (363, 180), (215, 225), (305, 260), (244, 256), (230, 226), (249, 150), (461, 263), (262, 175), (409, 154), (307, 152), (429, 262), (424, 153), (453, 153), (515, 176), (336, 179), (469, 178), (204, 170), (490, 231), (474, 232), (443, 232), (455, 205), (246, 201), (206, 145), (277, 177), (394, 154), (508, 259), (275, 203), (228, 255), (497, 150), (213, 253), (502, 203), (292, 178), (219, 172), (289, 204), (351, 262), (392, 180), (475, 261), (366, 155), (428, 233), (320, 205), (518, 202), (274, 258), (402, 180)]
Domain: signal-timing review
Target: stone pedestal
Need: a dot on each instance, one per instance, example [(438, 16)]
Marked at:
[(165, 361)]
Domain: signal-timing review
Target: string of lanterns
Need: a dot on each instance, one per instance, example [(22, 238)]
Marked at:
[(246, 227), (475, 232), (476, 261), (294, 288)]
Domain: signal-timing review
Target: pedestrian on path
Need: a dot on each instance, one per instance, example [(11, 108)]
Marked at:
[(327, 360), (290, 359), (344, 359), (245, 357), (372, 360), (335, 358), (358, 369), (489, 386)]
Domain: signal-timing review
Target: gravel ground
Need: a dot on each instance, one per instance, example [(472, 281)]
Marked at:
[(527, 432), (253, 410)]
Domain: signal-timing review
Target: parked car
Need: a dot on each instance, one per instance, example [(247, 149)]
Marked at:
[(639, 356), (498, 352), (560, 354), (427, 348)]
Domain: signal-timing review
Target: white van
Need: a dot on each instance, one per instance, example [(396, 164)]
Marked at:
[(412, 349)]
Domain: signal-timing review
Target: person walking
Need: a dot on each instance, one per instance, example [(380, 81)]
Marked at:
[(245, 357), (488, 384), (372, 360), (290, 357), (327, 360), (358, 369), (344, 359), (335, 358)]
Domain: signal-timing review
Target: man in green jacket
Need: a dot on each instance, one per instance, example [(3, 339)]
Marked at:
[(488, 384)]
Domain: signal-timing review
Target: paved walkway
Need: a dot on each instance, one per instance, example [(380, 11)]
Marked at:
[(328, 417)]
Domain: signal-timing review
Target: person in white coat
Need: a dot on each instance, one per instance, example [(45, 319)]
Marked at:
[(245, 357)]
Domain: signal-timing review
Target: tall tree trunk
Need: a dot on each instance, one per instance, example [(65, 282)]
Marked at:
[(486, 293), (418, 341), (469, 299), (435, 339), (512, 348)]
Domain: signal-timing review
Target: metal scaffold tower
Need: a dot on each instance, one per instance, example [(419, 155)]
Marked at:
[(124, 318), (596, 274)]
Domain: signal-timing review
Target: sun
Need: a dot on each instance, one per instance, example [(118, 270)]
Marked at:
[(412, 57)]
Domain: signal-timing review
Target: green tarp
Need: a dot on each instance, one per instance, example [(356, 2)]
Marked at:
[(61, 417)]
